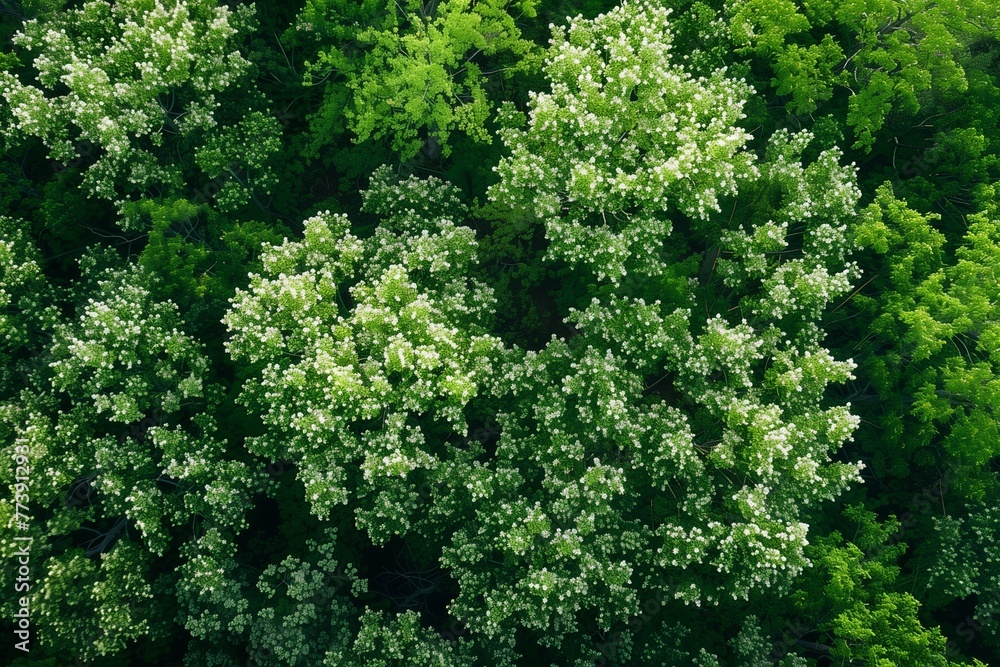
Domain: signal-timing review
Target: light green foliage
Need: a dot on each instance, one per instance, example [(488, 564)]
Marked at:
[(369, 351), (199, 256), (803, 72), (624, 138), (936, 334), (852, 595), (419, 78), (173, 247), (137, 78), (764, 24), (884, 53)]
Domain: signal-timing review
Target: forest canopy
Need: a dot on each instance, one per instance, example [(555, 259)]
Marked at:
[(503, 332)]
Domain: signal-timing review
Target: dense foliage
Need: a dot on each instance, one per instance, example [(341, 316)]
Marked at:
[(500, 332)]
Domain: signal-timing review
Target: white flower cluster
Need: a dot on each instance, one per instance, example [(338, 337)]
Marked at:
[(131, 71), (625, 137), (347, 332), (209, 592), (127, 353)]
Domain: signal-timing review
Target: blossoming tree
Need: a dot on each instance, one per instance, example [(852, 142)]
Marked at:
[(141, 81)]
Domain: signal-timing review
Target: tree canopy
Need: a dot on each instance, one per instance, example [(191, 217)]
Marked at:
[(660, 332)]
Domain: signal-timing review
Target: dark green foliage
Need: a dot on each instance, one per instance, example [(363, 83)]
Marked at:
[(501, 332)]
